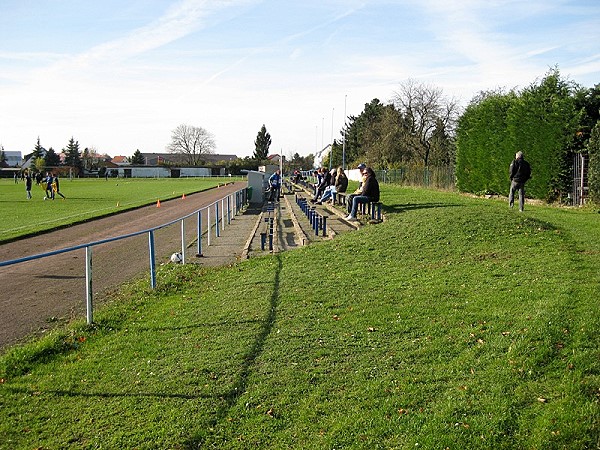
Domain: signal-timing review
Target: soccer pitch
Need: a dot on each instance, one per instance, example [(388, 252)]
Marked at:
[(85, 199)]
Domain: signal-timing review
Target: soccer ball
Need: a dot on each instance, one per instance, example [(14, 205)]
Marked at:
[(176, 258)]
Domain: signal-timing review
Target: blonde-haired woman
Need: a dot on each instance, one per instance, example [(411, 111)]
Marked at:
[(340, 184)]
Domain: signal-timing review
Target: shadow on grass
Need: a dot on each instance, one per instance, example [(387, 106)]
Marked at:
[(71, 393), (239, 387), (229, 397), (415, 206), (208, 325)]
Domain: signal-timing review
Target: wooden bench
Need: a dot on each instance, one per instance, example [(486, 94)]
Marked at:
[(372, 209), (340, 198)]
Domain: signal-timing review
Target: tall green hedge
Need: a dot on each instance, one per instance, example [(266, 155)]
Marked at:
[(483, 141), (594, 167), (541, 121)]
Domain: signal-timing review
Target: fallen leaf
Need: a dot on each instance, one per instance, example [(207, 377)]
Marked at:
[(542, 400)]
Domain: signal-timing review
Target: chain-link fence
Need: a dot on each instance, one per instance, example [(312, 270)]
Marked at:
[(435, 177)]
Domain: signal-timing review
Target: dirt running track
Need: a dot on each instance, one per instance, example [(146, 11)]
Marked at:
[(38, 294)]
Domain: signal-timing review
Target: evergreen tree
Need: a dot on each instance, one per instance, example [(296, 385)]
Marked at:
[(38, 150), (359, 131), (3, 162), (262, 144), (541, 120), (137, 158), (587, 101), (52, 159), (594, 165), (73, 155)]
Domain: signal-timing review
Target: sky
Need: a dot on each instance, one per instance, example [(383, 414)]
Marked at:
[(118, 76)]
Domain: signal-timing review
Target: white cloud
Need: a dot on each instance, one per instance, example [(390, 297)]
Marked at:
[(231, 66)]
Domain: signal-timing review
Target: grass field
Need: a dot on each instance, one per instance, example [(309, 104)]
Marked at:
[(455, 324), (86, 198)]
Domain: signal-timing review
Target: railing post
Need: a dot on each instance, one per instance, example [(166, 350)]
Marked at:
[(229, 209), (263, 240), (208, 225), (223, 213), (152, 259), (182, 241), (88, 285), (217, 232), (199, 233)]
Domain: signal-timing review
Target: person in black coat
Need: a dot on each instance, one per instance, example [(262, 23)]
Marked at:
[(324, 181), (519, 172), (369, 193)]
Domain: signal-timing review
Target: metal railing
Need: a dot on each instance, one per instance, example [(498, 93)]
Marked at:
[(223, 211)]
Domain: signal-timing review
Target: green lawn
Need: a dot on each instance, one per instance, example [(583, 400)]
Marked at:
[(456, 324), (86, 198)]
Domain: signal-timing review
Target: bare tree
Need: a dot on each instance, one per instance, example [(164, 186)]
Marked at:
[(426, 110), (192, 143)]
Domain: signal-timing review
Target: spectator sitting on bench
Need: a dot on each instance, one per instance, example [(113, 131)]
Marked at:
[(324, 180), (361, 167), (319, 178), (339, 185), (297, 176), (369, 193)]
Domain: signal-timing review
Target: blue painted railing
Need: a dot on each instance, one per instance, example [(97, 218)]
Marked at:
[(224, 209)]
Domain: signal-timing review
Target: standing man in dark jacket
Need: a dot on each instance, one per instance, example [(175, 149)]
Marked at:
[(519, 172)]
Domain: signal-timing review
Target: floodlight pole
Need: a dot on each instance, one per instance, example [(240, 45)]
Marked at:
[(331, 149), (344, 141)]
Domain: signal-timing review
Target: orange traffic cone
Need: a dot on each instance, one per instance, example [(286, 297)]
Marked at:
[(158, 203), (183, 197)]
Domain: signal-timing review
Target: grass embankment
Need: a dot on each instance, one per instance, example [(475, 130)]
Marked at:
[(86, 198), (456, 324)]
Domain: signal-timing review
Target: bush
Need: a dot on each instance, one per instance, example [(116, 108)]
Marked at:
[(594, 167)]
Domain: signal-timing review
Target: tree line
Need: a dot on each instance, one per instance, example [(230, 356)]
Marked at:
[(550, 120)]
